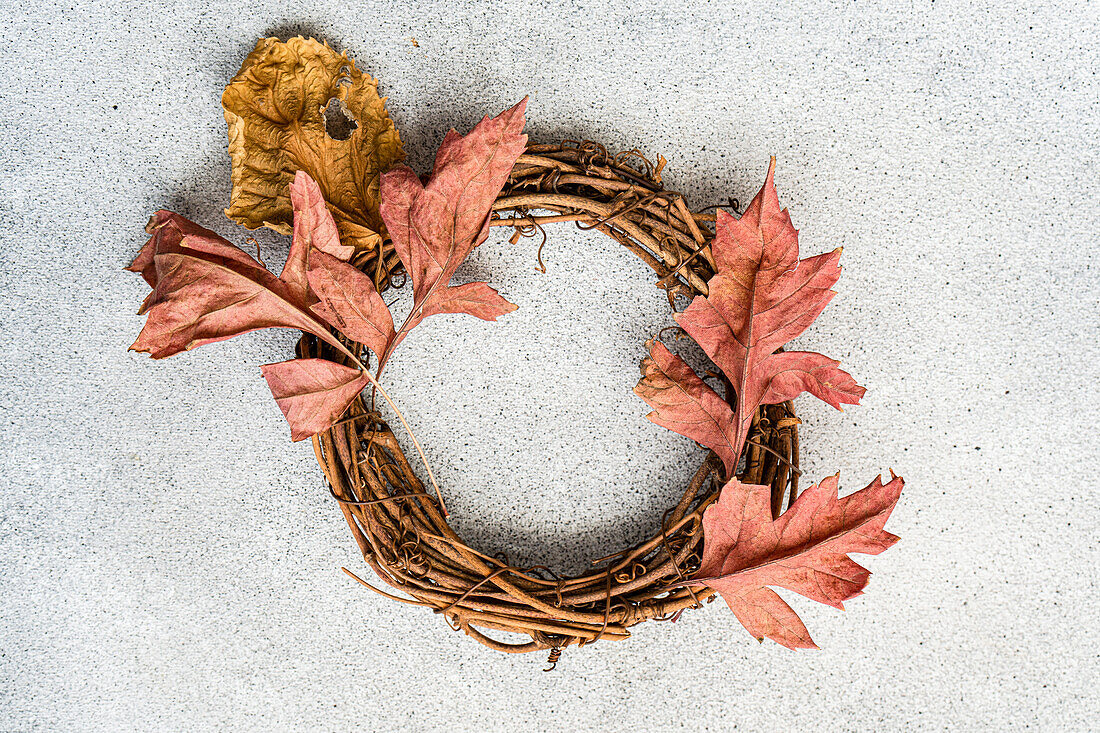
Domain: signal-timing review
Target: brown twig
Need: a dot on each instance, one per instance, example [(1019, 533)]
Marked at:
[(402, 530)]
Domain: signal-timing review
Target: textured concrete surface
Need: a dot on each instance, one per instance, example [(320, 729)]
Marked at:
[(170, 561)]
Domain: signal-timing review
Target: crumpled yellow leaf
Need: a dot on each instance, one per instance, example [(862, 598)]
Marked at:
[(275, 110)]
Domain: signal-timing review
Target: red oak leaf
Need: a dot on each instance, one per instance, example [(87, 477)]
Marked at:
[(312, 393), (684, 403), (314, 228), (434, 226), (761, 297), (805, 550)]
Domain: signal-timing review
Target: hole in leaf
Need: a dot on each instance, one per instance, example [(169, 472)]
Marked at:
[(339, 124)]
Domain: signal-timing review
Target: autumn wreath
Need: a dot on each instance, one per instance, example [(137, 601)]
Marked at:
[(362, 222)]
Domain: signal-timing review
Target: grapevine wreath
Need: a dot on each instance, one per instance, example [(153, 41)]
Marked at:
[(315, 155)]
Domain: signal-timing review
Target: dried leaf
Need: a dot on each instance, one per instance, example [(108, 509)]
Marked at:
[(435, 226), (805, 550), (684, 403), (790, 373), (762, 297), (475, 299), (313, 228), (312, 393), (349, 302), (172, 233), (275, 110), (207, 290)]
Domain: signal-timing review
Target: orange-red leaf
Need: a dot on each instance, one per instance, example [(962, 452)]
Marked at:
[(790, 373), (475, 299), (170, 232), (762, 297), (350, 302), (684, 403), (312, 393), (435, 225), (314, 228), (805, 550), (206, 290)]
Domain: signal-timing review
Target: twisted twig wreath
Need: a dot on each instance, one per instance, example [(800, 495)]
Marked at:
[(357, 233)]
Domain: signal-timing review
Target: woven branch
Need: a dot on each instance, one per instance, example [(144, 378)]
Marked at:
[(400, 528)]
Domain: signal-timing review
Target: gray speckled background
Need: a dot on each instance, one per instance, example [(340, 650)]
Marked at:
[(170, 561)]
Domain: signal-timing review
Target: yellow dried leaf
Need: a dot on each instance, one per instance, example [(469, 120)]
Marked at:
[(275, 108)]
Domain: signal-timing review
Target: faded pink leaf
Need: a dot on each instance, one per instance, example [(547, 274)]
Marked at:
[(350, 302), (790, 373), (314, 227), (476, 299), (207, 290), (761, 298), (805, 550), (434, 226), (683, 402), (312, 393), (170, 232)]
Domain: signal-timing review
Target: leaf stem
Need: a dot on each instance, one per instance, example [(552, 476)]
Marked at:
[(374, 381)]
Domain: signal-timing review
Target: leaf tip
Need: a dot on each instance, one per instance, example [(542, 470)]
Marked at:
[(519, 108)]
